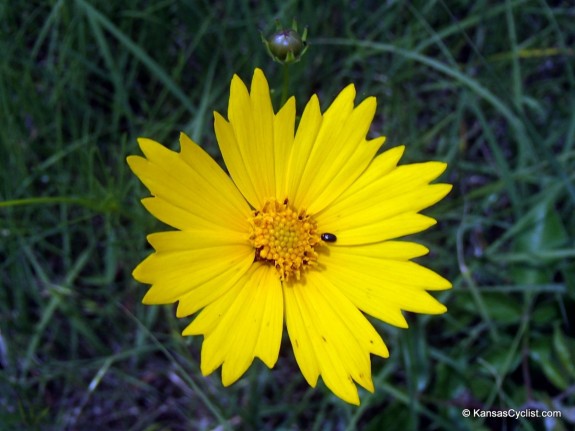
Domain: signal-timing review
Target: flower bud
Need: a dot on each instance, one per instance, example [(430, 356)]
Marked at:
[(286, 45)]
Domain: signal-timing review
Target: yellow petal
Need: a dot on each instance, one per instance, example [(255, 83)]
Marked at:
[(406, 186), (270, 297), (207, 292), (340, 155), (380, 166), (195, 239), (382, 230), (260, 151), (234, 160), (396, 250), (345, 315), (203, 276), (167, 175), (385, 301), (374, 208), (300, 334), (244, 323), (224, 314), (284, 124), (174, 274), (251, 118), (382, 287), (179, 218), (406, 272), (212, 175), (334, 155), (331, 369), (338, 338), (304, 141), (387, 202), (211, 316)]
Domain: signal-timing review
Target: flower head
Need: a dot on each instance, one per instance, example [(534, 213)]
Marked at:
[(302, 229)]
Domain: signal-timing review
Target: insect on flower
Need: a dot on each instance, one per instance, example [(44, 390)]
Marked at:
[(328, 237)]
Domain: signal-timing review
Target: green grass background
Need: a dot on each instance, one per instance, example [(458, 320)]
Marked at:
[(487, 86)]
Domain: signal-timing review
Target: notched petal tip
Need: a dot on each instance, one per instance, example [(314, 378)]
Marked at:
[(185, 140), (443, 283), (431, 306), (207, 368), (440, 167), (288, 105), (400, 149), (348, 91), (227, 380), (390, 156), (236, 85), (133, 161), (347, 392), (355, 402), (259, 78), (233, 370), (141, 140), (138, 272), (148, 298), (370, 106), (149, 146), (443, 310), (260, 94), (343, 102), (219, 121), (448, 188)]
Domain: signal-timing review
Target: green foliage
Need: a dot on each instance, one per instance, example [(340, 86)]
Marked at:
[(486, 86)]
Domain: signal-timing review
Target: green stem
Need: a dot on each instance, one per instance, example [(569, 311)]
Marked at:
[(285, 85)]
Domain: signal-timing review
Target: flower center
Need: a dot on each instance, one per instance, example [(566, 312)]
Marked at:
[(285, 238)]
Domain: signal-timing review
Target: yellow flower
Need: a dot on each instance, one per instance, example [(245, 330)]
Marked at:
[(302, 231)]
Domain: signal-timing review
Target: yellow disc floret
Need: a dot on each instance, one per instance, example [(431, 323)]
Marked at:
[(284, 237)]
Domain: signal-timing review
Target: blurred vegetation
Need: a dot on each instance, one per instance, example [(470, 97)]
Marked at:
[(488, 87)]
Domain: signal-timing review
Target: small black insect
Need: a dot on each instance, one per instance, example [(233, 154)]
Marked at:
[(328, 237)]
